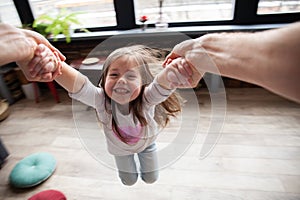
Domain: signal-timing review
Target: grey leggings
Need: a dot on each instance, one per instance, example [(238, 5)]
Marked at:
[(127, 166)]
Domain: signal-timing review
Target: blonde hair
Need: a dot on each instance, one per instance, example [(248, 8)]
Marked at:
[(145, 57)]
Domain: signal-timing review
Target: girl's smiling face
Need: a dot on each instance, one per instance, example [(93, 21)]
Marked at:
[(123, 81)]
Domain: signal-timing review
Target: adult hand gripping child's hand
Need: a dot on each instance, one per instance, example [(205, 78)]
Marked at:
[(177, 74), (46, 64), (185, 68), (180, 51)]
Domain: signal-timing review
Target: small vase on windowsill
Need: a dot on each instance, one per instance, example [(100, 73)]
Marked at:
[(162, 19), (162, 22), (143, 19)]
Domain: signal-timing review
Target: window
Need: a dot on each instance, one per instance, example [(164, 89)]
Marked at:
[(106, 15), (185, 10), (277, 6), (93, 13), (8, 13)]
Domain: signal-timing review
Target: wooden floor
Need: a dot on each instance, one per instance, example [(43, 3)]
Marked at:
[(257, 156)]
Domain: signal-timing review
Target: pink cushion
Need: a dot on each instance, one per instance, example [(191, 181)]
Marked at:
[(48, 195)]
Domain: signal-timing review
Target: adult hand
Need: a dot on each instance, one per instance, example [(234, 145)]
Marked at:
[(179, 50), (45, 61), (39, 39), (44, 75), (178, 74), (19, 45), (268, 58), (182, 50)]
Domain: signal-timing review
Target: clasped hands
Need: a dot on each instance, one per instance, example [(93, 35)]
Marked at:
[(181, 73)]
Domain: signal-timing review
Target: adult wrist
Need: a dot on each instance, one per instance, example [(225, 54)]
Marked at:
[(183, 47)]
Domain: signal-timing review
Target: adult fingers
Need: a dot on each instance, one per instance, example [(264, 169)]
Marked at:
[(169, 58), (58, 70), (177, 79), (34, 67), (50, 64), (172, 78), (41, 65), (42, 40), (183, 80), (196, 76), (184, 68)]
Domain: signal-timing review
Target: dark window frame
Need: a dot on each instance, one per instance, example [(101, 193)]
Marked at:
[(245, 13)]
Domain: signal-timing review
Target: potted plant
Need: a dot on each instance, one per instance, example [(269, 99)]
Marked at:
[(54, 25)]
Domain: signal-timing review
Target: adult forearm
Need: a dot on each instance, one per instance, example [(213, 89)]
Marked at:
[(233, 55), (14, 45), (269, 59)]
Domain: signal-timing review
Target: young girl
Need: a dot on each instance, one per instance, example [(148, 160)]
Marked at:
[(130, 102)]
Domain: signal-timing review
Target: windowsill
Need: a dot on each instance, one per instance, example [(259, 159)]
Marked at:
[(189, 30)]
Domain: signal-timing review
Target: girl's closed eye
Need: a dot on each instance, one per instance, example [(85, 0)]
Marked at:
[(131, 76), (113, 75)]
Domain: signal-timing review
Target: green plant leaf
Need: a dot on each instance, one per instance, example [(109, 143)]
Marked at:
[(60, 24)]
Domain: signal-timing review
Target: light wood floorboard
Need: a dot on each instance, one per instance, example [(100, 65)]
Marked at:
[(256, 157)]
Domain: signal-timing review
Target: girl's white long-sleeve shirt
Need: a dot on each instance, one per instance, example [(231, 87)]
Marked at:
[(153, 95)]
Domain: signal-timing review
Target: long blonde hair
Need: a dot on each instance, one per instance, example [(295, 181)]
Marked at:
[(145, 57)]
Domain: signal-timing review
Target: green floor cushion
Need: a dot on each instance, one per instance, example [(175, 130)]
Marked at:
[(32, 170), (48, 195)]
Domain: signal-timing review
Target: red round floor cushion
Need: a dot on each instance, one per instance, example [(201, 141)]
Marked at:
[(48, 195)]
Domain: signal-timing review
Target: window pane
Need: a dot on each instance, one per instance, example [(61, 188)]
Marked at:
[(93, 13), (8, 13), (277, 6), (185, 10)]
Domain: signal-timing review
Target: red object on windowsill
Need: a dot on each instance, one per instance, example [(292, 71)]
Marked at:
[(143, 18)]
